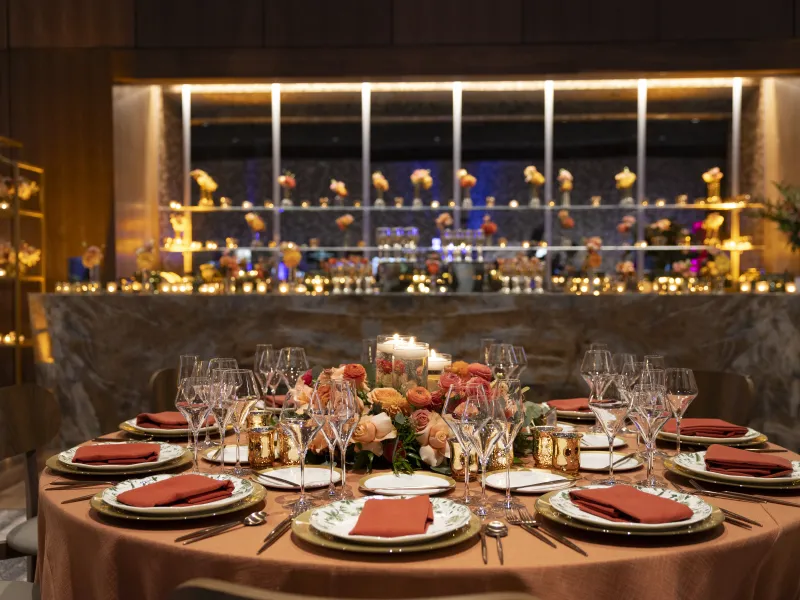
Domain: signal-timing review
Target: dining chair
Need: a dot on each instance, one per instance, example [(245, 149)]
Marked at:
[(213, 589), (163, 388), (728, 396), (29, 419)]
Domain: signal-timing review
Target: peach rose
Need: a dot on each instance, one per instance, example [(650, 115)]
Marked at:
[(319, 444), (365, 432), (355, 372), (448, 379), (372, 430), (421, 419), (324, 393), (391, 401), (418, 397), (439, 433), (460, 368), (479, 370)]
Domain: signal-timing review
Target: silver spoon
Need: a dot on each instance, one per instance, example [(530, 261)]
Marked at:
[(498, 530), (252, 520)]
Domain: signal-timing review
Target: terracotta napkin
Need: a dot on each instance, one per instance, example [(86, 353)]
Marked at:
[(395, 518), (170, 419), (706, 428), (579, 404), (732, 461), (116, 454), (183, 490), (624, 503)]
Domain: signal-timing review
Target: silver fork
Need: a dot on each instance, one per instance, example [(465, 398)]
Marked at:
[(514, 519), (528, 519)]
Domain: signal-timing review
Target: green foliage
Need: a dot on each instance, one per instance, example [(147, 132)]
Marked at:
[(785, 212), (364, 460), (407, 459)]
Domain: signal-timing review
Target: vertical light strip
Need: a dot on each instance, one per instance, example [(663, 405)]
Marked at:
[(457, 105), (641, 166), (366, 176), (186, 125), (736, 137), (548, 179), (276, 161)]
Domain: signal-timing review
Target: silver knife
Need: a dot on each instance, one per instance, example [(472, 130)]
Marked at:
[(273, 535)]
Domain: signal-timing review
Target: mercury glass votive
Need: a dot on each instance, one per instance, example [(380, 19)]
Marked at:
[(409, 365), (543, 445), (566, 451), (458, 468), (384, 345), (261, 447)]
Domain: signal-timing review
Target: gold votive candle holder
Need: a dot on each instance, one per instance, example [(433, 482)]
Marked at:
[(566, 451), (500, 458), (286, 452), (262, 418), (457, 462), (261, 447), (543, 445)]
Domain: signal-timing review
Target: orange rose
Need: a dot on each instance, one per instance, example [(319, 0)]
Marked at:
[(437, 439), (479, 370), (324, 393), (418, 397), (319, 443), (460, 368), (355, 373), (365, 432)]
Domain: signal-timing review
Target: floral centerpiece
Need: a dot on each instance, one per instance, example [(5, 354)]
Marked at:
[(381, 185), (713, 177), (256, 224), (343, 223), (565, 220), (287, 182), (421, 180), (340, 191), (785, 212), (443, 222), (565, 182), (535, 180), (207, 187), (625, 180), (291, 257), (466, 182), (593, 260), (488, 228), (91, 259)]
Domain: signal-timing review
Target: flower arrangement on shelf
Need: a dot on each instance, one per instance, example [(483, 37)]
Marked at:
[(713, 178), (466, 182), (421, 180), (682, 267), (228, 263), (625, 180), (626, 224), (626, 268), (25, 188), (565, 183), (207, 187), (443, 222), (489, 228), (287, 183), (257, 226), (381, 185), (711, 226), (535, 180), (8, 258), (593, 259), (785, 212), (340, 191), (91, 259), (565, 220)]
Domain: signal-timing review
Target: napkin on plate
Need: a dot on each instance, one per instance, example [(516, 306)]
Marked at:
[(395, 518), (733, 461), (706, 428), (116, 454), (170, 419), (625, 503), (183, 490), (575, 404)]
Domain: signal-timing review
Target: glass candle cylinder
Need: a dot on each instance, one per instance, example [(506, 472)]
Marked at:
[(566, 451), (410, 365), (384, 346), (543, 445), (437, 363)]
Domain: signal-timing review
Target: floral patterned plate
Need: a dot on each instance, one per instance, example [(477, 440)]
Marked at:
[(701, 510), (695, 462), (131, 427), (167, 453), (242, 488), (751, 437), (339, 518)]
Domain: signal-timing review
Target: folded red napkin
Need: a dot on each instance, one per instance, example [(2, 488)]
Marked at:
[(183, 490), (625, 503), (170, 419), (706, 428), (395, 518), (579, 404), (732, 461), (116, 454)]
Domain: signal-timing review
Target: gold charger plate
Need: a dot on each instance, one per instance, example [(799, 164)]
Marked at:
[(431, 492), (756, 441), (544, 508), (670, 465), (164, 433), (57, 466), (259, 494), (303, 530)]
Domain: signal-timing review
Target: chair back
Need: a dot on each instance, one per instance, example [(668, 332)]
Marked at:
[(29, 419), (728, 396), (163, 389), (211, 589)]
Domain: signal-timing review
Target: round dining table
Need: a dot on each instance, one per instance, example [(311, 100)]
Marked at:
[(84, 555)]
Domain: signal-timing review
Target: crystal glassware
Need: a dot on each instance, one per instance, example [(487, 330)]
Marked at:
[(301, 421), (654, 361), (522, 361), (598, 346), (384, 348), (264, 367), (595, 366), (409, 365), (221, 407), (486, 343), (213, 365), (610, 409), (187, 363), (452, 412), (681, 390), (192, 403), (509, 394), (650, 410), (503, 361), (292, 364), (244, 395), (344, 415)]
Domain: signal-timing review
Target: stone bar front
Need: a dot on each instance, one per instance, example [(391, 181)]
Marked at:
[(99, 351)]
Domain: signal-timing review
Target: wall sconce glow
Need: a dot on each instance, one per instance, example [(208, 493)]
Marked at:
[(111, 287), (791, 287), (762, 287)]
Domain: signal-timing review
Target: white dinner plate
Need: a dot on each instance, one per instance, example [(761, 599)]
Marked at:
[(521, 477), (339, 518), (228, 456), (699, 439), (242, 488), (389, 484), (157, 431), (581, 415), (316, 477), (701, 510), (167, 453), (696, 462), (599, 441), (565, 426), (598, 461)]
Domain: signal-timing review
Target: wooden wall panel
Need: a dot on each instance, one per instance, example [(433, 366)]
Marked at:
[(293, 23), (199, 23), (61, 112), (70, 23), (3, 23), (589, 21), (5, 96), (474, 22), (726, 19)]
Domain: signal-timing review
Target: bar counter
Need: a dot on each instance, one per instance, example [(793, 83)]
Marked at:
[(98, 351)]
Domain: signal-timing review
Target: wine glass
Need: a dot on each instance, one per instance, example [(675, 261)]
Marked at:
[(221, 407), (192, 402), (201, 369), (503, 360), (621, 361), (653, 376), (187, 363), (650, 410), (301, 421), (654, 361), (598, 346), (681, 390), (213, 365), (243, 396), (610, 409), (522, 361), (264, 366), (596, 364), (292, 364), (344, 415), (451, 413), (486, 343), (509, 394)]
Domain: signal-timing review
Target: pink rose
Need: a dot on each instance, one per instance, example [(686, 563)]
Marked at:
[(437, 399), (307, 378), (480, 381), (479, 370), (421, 419), (448, 379)]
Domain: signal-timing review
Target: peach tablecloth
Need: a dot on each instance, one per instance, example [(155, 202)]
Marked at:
[(83, 556)]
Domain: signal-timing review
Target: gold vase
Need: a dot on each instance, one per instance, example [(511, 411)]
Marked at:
[(713, 190), (457, 470)]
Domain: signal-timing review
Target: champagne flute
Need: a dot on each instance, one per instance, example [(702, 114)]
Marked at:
[(451, 413), (344, 414), (192, 402), (187, 363), (596, 364), (610, 409), (301, 421), (213, 365), (650, 410), (244, 395), (522, 361), (221, 407), (292, 364), (502, 360), (509, 393), (681, 390)]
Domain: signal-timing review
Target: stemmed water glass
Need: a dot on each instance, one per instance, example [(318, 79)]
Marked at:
[(192, 402), (452, 412), (213, 365), (291, 365), (650, 410), (344, 415), (264, 366), (187, 363), (522, 361), (598, 346), (610, 409), (654, 361), (509, 394), (221, 407), (486, 343), (243, 397), (483, 420), (301, 421), (595, 368), (681, 390), (503, 361)]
